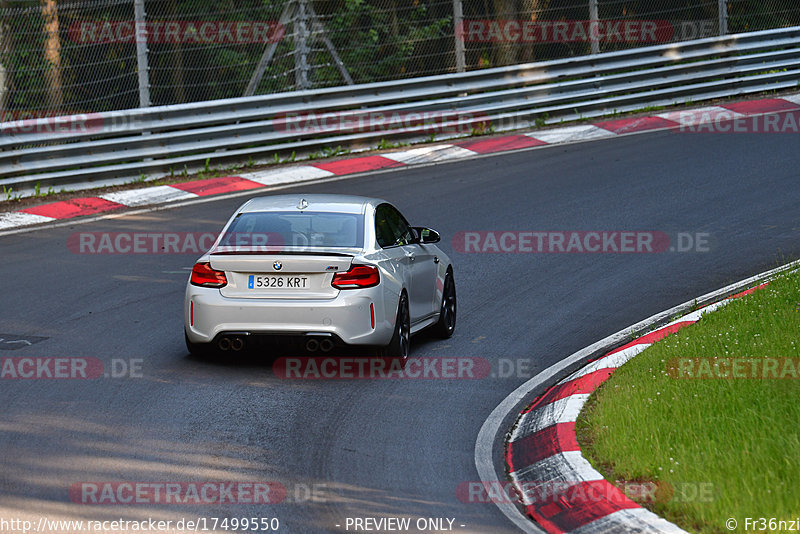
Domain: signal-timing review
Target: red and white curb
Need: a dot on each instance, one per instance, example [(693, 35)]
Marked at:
[(560, 490), (167, 194), (542, 452)]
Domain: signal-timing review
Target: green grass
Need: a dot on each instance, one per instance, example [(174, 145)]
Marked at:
[(716, 448), (386, 145), (329, 152), (10, 196)]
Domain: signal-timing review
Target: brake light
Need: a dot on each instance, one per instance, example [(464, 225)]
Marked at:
[(204, 276), (358, 277)]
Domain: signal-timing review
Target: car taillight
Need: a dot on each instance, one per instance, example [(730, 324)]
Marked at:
[(204, 276), (358, 277)]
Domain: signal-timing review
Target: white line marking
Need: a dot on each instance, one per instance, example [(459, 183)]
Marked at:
[(149, 195), (287, 175), (571, 133), (429, 154), (794, 99), (700, 115), (12, 219)]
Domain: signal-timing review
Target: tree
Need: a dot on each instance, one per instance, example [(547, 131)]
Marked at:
[(5, 48), (52, 54)]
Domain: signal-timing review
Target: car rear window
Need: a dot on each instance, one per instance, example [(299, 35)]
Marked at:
[(303, 229)]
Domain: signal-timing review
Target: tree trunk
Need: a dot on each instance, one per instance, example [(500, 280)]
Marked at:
[(532, 10), (505, 53), (518, 10), (52, 54), (178, 82), (5, 48)]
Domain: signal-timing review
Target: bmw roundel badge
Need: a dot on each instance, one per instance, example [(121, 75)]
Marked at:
[(277, 266)]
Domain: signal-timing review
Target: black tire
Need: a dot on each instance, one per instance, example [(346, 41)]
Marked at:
[(446, 325), (398, 347), (198, 350)]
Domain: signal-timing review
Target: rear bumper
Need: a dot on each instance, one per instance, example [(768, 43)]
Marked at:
[(208, 314)]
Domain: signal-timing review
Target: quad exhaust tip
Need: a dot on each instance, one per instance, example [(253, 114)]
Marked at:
[(324, 345), (236, 343)]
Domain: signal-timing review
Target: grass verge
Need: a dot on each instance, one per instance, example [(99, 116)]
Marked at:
[(709, 418)]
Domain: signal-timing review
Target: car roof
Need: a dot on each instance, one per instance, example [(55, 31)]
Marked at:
[(316, 202)]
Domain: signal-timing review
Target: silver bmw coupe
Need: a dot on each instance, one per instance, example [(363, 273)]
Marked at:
[(322, 270)]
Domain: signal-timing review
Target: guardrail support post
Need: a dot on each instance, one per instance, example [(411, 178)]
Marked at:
[(458, 31), (141, 53)]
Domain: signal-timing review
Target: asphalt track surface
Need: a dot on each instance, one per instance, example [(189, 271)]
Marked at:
[(369, 448)]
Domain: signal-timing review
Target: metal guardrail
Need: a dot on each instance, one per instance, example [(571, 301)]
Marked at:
[(117, 147)]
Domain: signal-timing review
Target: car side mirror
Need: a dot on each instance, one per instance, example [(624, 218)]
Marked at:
[(427, 235)]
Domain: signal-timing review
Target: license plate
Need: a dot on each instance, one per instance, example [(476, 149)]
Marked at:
[(277, 282)]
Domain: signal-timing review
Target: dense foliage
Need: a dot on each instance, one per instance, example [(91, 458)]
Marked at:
[(50, 63)]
